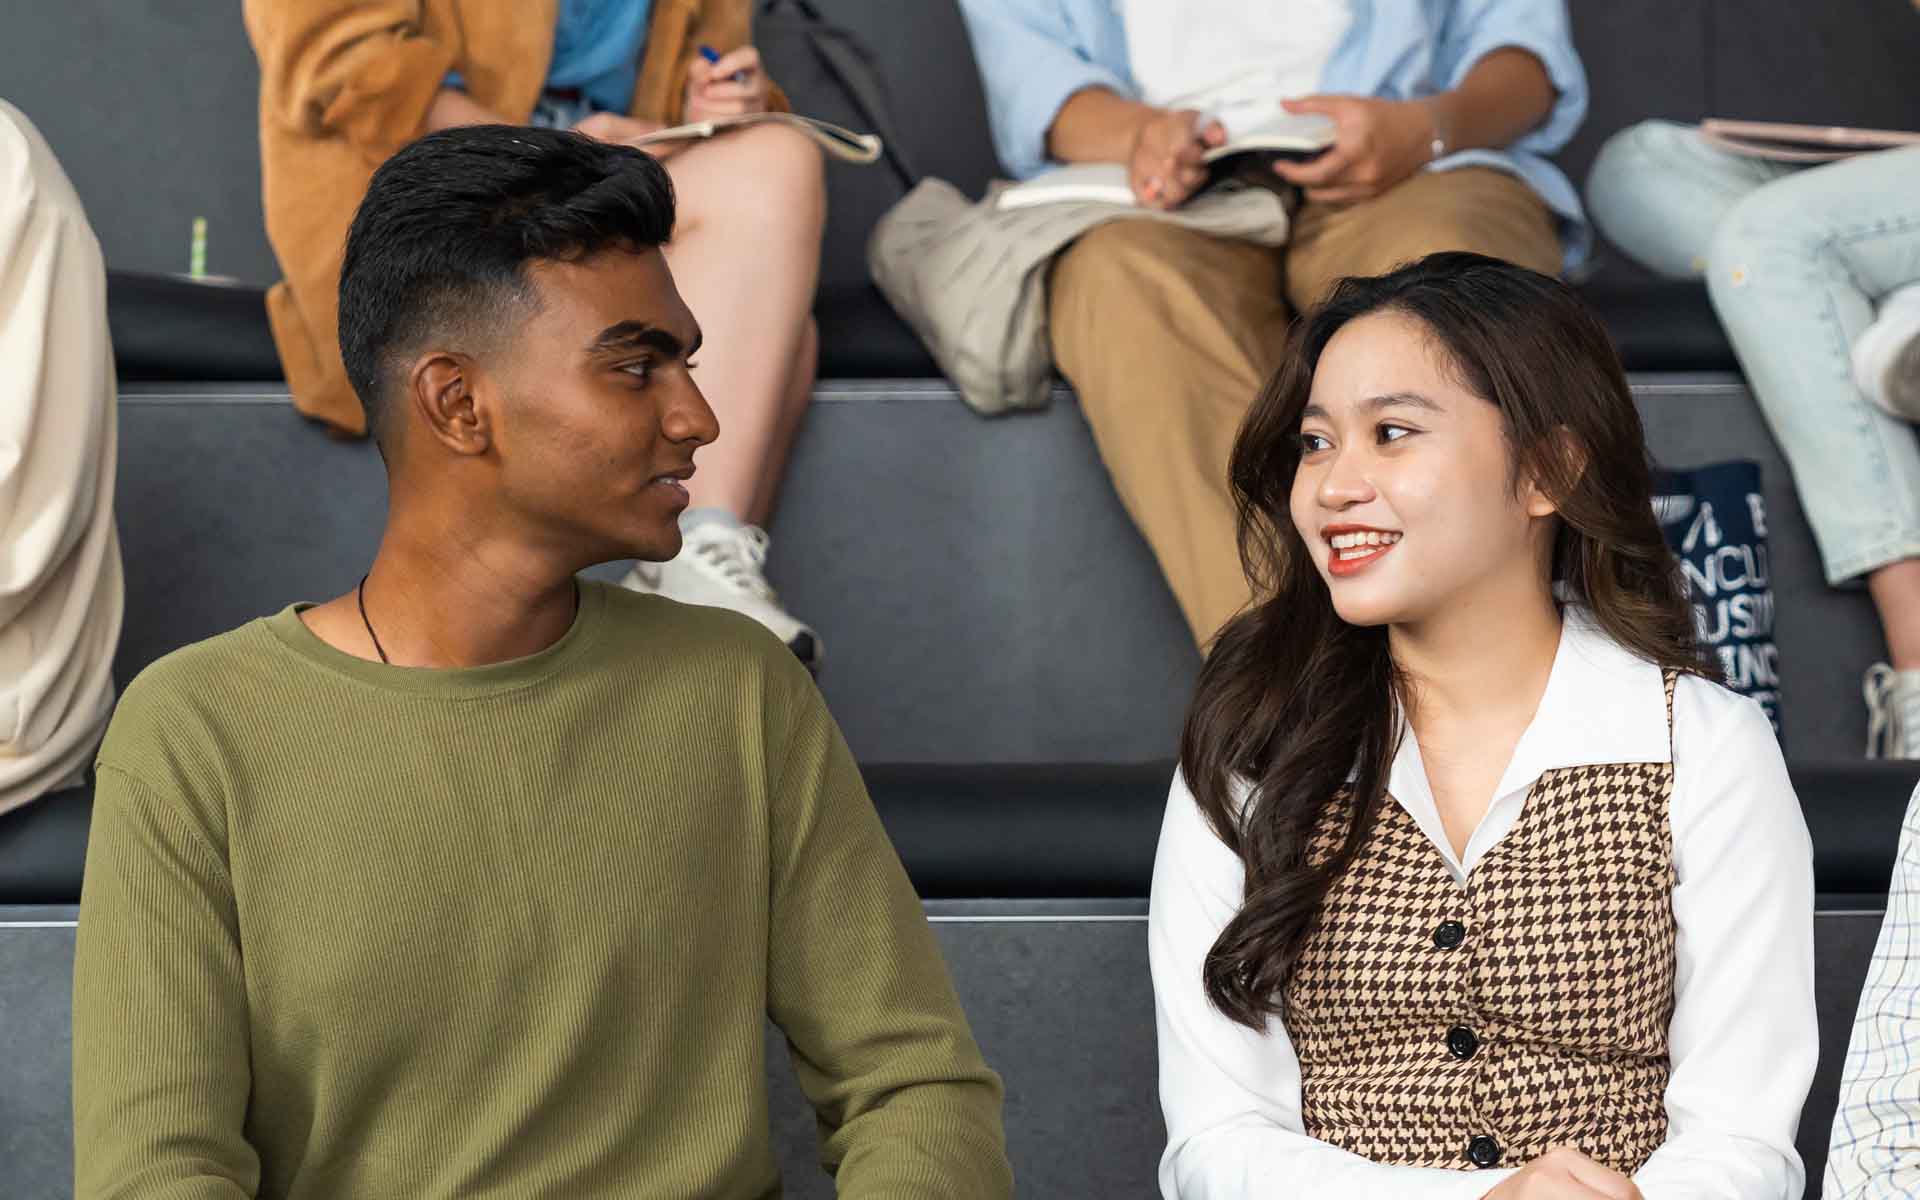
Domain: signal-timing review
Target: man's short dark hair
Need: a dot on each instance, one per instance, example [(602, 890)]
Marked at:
[(439, 247)]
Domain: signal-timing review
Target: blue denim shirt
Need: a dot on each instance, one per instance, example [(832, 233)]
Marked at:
[(596, 49), (1034, 54)]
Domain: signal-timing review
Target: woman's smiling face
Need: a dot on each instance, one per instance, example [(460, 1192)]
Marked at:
[(1405, 494)]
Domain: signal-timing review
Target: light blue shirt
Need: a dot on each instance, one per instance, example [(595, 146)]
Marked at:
[(1034, 54), (596, 50)]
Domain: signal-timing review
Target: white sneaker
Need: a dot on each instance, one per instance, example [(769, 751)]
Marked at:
[(1886, 357), (720, 566), (1893, 712)]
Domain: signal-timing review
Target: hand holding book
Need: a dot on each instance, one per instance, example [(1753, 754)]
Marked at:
[(1376, 145), (1168, 163)]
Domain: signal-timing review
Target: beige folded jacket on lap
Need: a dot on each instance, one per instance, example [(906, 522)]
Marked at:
[(60, 583), (972, 280)]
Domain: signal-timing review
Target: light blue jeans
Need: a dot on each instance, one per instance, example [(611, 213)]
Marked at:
[(1796, 260)]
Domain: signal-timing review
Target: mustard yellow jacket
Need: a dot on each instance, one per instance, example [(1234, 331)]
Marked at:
[(345, 83)]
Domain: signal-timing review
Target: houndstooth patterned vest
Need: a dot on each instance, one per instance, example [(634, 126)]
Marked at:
[(1445, 1027)]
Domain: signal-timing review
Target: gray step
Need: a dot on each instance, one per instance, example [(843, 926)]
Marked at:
[(982, 595), (1058, 997)]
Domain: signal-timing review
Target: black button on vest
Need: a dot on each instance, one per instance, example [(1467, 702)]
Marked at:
[(1483, 1152), (1449, 935), (1461, 1042)]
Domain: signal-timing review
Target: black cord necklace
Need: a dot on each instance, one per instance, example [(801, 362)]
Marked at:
[(360, 598), (360, 595)]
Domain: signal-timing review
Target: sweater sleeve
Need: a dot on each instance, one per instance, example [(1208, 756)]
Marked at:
[(357, 69), (908, 1109), (160, 1066)]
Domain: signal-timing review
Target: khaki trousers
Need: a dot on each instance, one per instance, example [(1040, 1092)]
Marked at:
[(1168, 335)]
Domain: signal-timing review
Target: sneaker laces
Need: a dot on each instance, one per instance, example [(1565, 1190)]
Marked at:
[(736, 557)]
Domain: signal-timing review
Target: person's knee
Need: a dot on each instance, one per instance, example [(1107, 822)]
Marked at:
[(1642, 186), (1617, 180), (1648, 145), (765, 184), (785, 167), (1765, 227)]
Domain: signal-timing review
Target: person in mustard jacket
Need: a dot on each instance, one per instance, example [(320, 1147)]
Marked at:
[(346, 83)]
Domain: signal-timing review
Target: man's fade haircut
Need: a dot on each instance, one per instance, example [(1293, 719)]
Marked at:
[(439, 248)]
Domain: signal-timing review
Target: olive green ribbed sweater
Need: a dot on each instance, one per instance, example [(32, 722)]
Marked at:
[(352, 930)]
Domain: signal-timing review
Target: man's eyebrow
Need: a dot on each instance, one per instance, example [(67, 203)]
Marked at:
[(636, 335)]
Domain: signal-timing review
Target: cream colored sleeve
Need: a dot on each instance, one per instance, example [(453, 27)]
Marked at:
[(60, 582)]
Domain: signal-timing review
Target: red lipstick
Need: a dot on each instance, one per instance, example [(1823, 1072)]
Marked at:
[(1351, 549)]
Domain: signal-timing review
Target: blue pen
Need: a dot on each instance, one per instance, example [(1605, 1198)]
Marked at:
[(713, 56)]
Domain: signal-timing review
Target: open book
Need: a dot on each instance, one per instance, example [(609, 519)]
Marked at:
[(1250, 149), (1800, 143), (840, 142)]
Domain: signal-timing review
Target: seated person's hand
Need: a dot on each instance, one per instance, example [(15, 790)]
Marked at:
[(614, 127), (1565, 1174), (712, 91), (1376, 145), (1166, 167)]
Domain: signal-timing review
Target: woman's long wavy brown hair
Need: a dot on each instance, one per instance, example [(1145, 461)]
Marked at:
[(1293, 699)]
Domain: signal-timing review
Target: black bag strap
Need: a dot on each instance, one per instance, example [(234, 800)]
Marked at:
[(851, 64)]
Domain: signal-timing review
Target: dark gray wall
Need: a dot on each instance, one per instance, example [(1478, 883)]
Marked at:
[(151, 106), (151, 103)]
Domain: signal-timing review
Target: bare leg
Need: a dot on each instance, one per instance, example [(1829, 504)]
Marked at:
[(799, 396), (1896, 593), (746, 255)]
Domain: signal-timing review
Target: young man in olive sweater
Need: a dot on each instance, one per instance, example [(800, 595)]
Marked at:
[(479, 881)]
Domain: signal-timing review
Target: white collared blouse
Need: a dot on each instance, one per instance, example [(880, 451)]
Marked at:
[(1743, 1039)]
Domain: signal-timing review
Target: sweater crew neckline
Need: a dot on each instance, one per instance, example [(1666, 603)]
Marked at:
[(451, 683)]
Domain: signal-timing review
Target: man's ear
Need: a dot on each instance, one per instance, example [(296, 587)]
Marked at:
[(441, 387), (1565, 466)]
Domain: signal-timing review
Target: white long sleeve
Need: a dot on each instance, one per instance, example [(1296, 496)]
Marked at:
[(1744, 1036), (60, 582)]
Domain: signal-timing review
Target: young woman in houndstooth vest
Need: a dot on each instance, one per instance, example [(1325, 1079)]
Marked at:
[(1472, 883)]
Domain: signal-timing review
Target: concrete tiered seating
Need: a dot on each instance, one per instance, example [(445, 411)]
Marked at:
[(1054, 982)]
